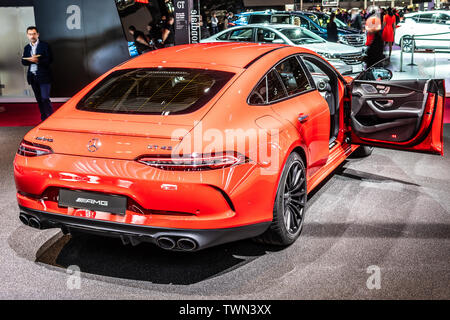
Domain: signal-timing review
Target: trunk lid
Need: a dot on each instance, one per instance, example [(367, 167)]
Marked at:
[(127, 138)]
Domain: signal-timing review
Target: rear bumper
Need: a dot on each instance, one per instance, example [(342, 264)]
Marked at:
[(212, 199), (134, 234)]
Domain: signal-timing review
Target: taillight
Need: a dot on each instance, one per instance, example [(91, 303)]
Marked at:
[(29, 149), (194, 161)]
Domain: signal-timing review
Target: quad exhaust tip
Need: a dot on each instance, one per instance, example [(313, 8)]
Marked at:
[(24, 218), (30, 221), (166, 243), (184, 244), (34, 222)]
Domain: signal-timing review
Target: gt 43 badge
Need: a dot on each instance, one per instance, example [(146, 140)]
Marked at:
[(157, 147)]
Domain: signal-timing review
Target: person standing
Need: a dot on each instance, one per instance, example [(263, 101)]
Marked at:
[(140, 41), (332, 31), (229, 19), (168, 33), (203, 29), (388, 29), (214, 24), (153, 34), (37, 55), (397, 16), (225, 21), (356, 21), (374, 52), (339, 15), (382, 14), (204, 32)]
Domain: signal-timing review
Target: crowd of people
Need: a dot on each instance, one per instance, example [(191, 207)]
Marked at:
[(356, 18), (158, 35), (162, 34), (378, 23)]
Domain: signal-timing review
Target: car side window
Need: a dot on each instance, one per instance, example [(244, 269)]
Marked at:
[(441, 18), (259, 94), (426, 18), (268, 36), (304, 23), (318, 75), (259, 18), (313, 69), (293, 76), (281, 19), (224, 36), (244, 35), (275, 88), (296, 21)]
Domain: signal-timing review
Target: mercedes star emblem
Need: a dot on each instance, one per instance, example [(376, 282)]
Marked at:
[(93, 145)]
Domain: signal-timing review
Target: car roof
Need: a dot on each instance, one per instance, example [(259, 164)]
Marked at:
[(233, 54)]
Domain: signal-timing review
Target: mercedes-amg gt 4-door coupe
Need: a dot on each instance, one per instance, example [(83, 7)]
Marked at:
[(198, 145)]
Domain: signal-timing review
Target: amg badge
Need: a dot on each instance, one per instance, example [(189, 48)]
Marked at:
[(94, 201)]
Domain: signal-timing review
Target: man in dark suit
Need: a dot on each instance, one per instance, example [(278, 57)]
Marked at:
[(38, 57)]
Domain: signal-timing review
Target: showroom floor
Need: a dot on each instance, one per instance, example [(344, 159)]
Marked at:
[(389, 211)]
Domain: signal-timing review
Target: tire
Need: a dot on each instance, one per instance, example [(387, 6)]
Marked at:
[(290, 205), (362, 151)]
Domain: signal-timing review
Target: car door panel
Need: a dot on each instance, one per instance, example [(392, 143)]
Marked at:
[(400, 114), (304, 108)]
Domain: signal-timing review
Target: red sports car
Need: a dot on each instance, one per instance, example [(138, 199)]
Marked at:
[(197, 145)]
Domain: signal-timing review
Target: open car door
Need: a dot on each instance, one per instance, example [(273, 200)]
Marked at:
[(398, 114)]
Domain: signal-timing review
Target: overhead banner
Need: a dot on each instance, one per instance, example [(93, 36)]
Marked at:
[(187, 21)]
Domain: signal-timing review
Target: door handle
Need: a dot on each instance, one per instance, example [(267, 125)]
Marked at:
[(384, 103), (303, 117)]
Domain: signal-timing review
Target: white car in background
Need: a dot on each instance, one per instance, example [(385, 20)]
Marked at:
[(346, 59), (423, 24)]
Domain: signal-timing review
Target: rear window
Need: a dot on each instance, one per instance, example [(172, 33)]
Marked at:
[(154, 91)]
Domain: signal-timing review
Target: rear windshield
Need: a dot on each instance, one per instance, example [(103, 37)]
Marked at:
[(154, 91)]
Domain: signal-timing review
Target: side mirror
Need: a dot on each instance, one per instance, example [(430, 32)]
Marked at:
[(281, 41), (375, 72), (380, 73)]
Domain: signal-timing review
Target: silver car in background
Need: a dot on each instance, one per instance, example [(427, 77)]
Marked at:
[(346, 59), (427, 25)]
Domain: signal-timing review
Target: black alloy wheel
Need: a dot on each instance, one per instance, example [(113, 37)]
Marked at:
[(294, 197), (290, 205)]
